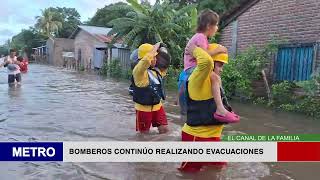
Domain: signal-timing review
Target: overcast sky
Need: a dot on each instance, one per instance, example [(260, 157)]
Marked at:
[(16, 15)]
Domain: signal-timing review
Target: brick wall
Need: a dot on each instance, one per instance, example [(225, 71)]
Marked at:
[(288, 20), (226, 36)]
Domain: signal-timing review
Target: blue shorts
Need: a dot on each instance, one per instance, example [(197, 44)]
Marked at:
[(14, 77)]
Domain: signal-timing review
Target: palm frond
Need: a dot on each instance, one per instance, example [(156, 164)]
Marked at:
[(171, 26), (194, 18), (137, 42), (120, 21), (185, 10), (138, 7), (131, 35), (121, 7), (131, 14)]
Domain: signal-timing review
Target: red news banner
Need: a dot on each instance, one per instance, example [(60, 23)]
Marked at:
[(290, 148)]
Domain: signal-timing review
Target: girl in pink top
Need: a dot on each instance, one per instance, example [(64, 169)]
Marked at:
[(207, 27), (200, 40)]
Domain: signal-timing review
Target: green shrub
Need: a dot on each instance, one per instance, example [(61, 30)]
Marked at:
[(81, 68), (104, 69), (244, 68), (171, 79), (283, 98), (126, 74), (282, 93), (288, 107), (310, 106), (234, 82), (260, 100), (311, 87), (115, 68)]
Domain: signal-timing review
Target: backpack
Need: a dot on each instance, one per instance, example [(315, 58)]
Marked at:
[(182, 89)]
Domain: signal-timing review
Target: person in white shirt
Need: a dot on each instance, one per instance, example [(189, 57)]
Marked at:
[(12, 64)]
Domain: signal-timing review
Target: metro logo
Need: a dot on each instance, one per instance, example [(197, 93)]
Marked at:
[(33, 152)]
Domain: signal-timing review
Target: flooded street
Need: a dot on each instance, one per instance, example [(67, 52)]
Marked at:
[(58, 105)]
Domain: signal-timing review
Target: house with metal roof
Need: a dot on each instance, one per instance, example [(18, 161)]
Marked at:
[(92, 46)]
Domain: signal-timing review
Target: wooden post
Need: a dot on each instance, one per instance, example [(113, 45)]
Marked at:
[(234, 38), (266, 85)]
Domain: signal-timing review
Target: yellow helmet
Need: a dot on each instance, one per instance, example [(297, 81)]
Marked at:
[(144, 49), (221, 57)]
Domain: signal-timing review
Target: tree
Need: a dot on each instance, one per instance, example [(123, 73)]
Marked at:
[(184, 2), (219, 6), (58, 22), (109, 12), (3, 50), (27, 39), (47, 24), (69, 18), (163, 22)]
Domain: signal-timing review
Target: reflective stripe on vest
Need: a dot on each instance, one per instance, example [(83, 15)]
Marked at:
[(152, 77)]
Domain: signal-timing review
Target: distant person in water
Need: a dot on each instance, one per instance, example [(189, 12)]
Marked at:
[(12, 64), (23, 64)]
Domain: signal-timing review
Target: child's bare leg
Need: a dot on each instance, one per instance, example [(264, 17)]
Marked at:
[(215, 87)]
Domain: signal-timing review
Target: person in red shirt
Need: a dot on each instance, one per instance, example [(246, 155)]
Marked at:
[(23, 64)]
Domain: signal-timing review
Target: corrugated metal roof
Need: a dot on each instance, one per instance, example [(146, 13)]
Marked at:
[(95, 29), (103, 38), (100, 33)]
